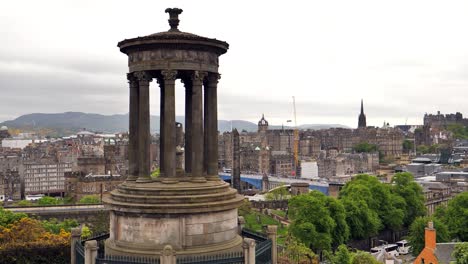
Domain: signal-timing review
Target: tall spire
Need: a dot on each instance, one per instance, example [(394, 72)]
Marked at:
[(362, 116)]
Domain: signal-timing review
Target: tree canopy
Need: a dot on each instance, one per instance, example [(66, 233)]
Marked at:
[(89, 199), (417, 233), (412, 194), (461, 253), (318, 221), (365, 147), (47, 200), (364, 198), (455, 216)]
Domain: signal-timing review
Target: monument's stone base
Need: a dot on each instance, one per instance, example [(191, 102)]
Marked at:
[(193, 218)]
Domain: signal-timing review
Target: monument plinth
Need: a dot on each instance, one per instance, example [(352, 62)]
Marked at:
[(190, 209)]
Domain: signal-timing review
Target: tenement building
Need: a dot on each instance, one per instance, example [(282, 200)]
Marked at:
[(45, 177), (332, 164)]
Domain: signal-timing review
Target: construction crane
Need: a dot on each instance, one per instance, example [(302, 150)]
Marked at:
[(296, 138)]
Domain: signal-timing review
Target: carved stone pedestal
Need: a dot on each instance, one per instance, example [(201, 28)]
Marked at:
[(193, 218)]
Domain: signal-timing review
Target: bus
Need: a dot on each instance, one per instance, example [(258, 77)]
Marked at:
[(34, 197), (392, 249), (403, 247)]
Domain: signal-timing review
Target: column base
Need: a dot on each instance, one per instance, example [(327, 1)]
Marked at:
[(132, 178), (144, 180), (212, 177), (169, 180), (199, 179)]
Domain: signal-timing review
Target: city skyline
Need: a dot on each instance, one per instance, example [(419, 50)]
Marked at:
[(399, 57)]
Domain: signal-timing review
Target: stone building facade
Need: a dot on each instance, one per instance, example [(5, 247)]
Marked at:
[(442, 121), (79, 184), (332, 163), (45, 176)]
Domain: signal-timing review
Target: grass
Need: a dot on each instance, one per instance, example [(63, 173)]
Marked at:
[(252, 224), (279, 212)]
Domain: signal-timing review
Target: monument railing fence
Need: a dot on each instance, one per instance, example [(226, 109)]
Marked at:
[(79, 253), (263, 252), (126, 260), (227, 258)]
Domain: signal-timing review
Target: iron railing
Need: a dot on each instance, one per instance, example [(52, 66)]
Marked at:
[(227, 258), (263, 252), (126, 260), (79, 253), (259, 237)]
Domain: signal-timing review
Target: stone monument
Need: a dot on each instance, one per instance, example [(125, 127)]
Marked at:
[(193, 212)]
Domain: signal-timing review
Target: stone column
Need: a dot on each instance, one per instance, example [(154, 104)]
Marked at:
[(133, 129), (91, 249), (75, 238), (161, 123), (211, 126), (144, 135), (249, 250), (188, 126), (168, 127), (197, 126), (272, 231)]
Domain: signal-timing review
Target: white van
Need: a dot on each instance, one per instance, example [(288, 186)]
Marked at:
[(403, 247), (392, 249)]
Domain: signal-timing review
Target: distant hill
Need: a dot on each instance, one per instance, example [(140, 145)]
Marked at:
[(61, 124)]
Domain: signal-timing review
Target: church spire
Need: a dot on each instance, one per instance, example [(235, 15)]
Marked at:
[(362, 116)]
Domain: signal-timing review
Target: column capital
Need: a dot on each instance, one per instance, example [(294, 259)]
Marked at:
[(143, 76), (169, 75), (213, 77), (131, 77), (198, 76)]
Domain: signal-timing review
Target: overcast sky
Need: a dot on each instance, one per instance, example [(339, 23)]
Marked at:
[(404, 58)]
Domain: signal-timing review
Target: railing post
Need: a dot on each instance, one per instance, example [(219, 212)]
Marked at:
[(240, 223), (91, 248), (75, 238), (272, 231), (249, 250), (168, 255)]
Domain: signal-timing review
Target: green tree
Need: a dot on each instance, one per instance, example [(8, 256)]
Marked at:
[(363, 222), (365, 147), (54, 226), (298, 250), (47, 200), (342, 255), (89, 199), (155, 174), (362, 257), (459, 131), (456, 216), (461, 253), (412, 194), (85, 232), (8, 217), (379, 199), (408, 146), (279, 193), (417, 233), (24, 203), (340, 233), (311, 223)]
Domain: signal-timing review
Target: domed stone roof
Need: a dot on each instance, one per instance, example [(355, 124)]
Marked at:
[(174, 37), (3, 128)]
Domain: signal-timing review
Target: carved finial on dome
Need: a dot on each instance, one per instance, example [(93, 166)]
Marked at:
[(174, 18)]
